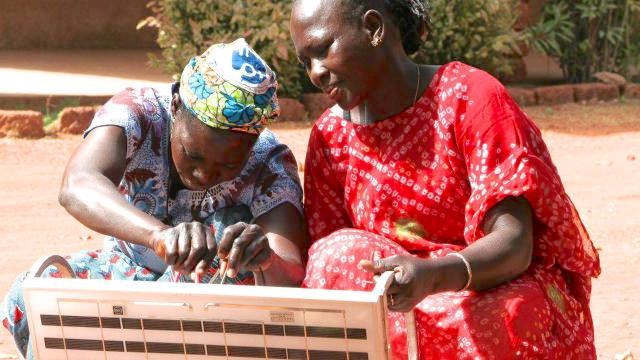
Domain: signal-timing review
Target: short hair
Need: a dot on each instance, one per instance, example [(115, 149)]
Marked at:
[(411, 17)]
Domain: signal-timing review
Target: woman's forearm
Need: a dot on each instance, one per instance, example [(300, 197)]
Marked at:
[(89, 188), (285, 228), (497, 258), (283, 272), (502, 255), (95, 201)]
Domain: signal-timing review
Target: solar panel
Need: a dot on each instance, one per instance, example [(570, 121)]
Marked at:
[(94, 319)]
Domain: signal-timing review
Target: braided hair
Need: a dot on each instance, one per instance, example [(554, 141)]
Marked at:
[(411, 17)]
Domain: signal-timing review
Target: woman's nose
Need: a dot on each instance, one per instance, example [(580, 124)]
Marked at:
[(204, 177), (318, 74)]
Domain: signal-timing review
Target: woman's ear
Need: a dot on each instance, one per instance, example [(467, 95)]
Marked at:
[(374, 25), (424, 31), (175, 103)]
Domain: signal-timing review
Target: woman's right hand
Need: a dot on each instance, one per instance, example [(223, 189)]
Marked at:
[(187, 247)]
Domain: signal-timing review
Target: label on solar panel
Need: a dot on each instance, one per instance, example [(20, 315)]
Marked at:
[(118, 310), (282, 316)]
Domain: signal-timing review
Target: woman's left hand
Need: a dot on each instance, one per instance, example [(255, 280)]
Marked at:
[(414, 279), (245, 247)]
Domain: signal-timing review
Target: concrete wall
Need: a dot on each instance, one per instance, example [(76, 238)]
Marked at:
[(68, 24)]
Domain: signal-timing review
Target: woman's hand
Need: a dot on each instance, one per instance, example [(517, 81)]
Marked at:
[(188, 247), (413, 280), (417, 278), (245, 247)]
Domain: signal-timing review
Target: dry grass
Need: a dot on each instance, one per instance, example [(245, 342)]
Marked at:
[(588, 119)]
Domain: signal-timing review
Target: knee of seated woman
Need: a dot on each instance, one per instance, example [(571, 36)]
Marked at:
[(354, 243)]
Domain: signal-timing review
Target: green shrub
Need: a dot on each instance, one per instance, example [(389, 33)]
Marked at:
[(587, 36), (188, 27), (476, 32)]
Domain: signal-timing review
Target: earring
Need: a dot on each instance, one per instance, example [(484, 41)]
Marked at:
[(375, 42)]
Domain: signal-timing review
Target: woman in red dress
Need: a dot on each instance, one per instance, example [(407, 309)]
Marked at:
[(435, 172)]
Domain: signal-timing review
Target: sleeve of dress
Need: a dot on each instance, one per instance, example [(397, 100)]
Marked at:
[(324, 195), (505, 156), (120, 111), (277, 183)]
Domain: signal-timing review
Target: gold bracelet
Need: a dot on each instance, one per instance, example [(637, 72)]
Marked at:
[(469, 272)]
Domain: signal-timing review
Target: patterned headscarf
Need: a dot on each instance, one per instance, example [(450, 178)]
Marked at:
[(230, 87)]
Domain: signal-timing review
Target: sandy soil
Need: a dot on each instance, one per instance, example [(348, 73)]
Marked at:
[(601, 173)]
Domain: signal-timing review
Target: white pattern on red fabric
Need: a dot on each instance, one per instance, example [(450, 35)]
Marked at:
[(424, 179)]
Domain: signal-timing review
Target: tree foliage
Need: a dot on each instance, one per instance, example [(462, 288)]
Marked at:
[(188, 27), (587, 36), (477, 32)]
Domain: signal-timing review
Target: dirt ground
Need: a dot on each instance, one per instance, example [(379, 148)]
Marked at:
[(601, 173)]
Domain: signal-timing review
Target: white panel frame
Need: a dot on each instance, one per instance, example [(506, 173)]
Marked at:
[(151, 300)]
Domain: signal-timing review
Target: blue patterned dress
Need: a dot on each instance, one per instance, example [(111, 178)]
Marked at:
[(268, 179)]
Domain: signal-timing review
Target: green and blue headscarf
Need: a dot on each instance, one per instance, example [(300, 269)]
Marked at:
[(230, 87)]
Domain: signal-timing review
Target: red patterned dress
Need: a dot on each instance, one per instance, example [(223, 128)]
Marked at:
[(421, 182)]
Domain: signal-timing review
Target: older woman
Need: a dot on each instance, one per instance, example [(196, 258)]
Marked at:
[(183, 176), (436, 173)]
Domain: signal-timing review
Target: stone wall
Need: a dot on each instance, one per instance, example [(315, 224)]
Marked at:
[(67, 24), (74, 120)]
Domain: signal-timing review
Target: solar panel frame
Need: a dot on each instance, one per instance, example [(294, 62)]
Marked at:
[(199, 306)]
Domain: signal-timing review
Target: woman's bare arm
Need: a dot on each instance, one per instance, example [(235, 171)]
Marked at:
[(89, 189), (505, 251), (285, 228), (503, 254)]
